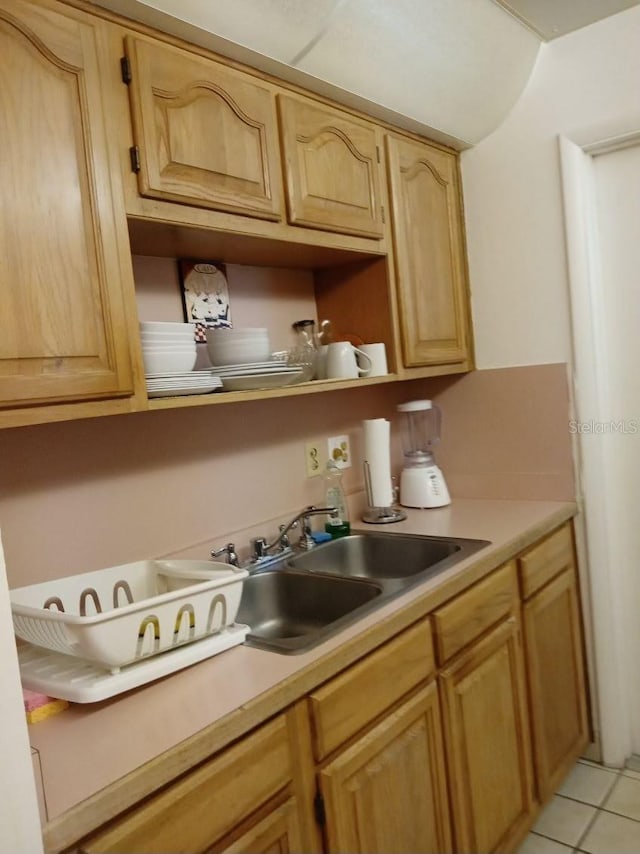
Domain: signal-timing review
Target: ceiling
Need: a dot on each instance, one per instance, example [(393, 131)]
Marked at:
[(550, 19), (449, 69)]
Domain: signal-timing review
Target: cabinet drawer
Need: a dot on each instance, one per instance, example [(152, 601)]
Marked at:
[(346, 704), (207, 803), (544, 561), (474, 611)]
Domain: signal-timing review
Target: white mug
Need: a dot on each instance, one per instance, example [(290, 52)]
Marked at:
[(341, 361), (377, 354)]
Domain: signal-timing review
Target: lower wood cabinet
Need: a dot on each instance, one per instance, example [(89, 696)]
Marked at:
[(218, 798), (424, 745), (487, 742), (277, 833), (388, 791), (555, 663)]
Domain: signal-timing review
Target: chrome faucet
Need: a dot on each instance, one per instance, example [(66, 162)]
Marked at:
[(230, 551), (261, 548), (306, 541)]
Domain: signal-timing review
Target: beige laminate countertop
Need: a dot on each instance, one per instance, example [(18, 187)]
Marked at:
[(98, 759)]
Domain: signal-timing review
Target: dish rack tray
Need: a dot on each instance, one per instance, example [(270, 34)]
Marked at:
[(69, 678), (125, 614)]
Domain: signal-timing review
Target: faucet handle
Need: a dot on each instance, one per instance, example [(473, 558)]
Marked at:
[(259, 547), (285, 542), (230, 551)]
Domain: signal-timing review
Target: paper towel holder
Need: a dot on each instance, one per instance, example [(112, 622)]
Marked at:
[(378, 515)]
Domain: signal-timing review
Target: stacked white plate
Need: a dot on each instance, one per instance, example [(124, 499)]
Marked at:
[(182, 383), (270, 374), (167, 347)]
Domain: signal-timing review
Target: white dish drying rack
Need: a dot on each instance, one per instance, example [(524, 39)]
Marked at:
[(124, 616)]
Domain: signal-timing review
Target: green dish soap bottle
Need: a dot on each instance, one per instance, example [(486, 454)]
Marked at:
[(335, 497)]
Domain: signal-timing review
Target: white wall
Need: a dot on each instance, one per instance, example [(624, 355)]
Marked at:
[(584, 83), (19, 818)]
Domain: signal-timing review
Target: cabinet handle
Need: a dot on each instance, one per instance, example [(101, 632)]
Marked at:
[(125, 70)]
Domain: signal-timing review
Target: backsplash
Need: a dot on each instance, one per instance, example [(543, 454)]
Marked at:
[(82, 495)]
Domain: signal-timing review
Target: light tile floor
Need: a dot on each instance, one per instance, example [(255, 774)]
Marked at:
[(596, 810)]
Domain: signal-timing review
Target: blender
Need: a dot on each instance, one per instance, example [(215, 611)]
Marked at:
[(422, 484)]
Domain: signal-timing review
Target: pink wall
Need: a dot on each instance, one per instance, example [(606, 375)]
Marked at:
[(83, 495)]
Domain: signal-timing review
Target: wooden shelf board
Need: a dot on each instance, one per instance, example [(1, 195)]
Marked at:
[(219, 397), (174, 240)]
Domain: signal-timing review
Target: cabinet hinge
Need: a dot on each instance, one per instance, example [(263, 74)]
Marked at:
[(125, 69), (318, 808), (383, 214), (378, 153), (134, 154)]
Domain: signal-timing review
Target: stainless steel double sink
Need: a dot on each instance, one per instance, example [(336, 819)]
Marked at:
[(308, 597)]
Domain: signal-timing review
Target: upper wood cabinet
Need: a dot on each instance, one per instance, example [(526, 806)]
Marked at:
[(429, 253), (206, 133), (62, 332), (331, 165)]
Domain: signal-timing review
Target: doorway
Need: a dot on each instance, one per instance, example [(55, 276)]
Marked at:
[(601, 183)]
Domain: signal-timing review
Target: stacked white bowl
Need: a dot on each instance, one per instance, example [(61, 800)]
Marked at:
[(238, 346), (167, 347)]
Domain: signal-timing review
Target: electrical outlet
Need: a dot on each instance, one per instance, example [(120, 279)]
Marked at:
[(339, 450), (315, 459)]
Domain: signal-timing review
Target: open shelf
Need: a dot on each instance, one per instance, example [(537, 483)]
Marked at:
[(174, 240), (221, 397)]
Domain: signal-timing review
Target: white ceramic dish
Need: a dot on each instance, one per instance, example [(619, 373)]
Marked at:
[(254, 381), (167, 338), (182, 391), (157, 363), (175, 375), (163, 326), (233, 353), (240, 372), (183, 381), (185, 346), (269, 363), (235, 346), (238, 332)]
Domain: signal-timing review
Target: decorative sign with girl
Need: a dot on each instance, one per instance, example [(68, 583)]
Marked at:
[(205, 295)]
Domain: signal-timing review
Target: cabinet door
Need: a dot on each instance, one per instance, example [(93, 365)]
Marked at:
[(207, 804), (555, 670), (387, 793), (278, 833), (429, 253), (206, 133), (488, 744), (331, 169), (62, 333)]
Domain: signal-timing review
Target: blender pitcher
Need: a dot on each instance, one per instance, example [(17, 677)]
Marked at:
[(422, 484)]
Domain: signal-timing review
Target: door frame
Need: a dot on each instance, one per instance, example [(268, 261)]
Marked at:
[(614, 663)]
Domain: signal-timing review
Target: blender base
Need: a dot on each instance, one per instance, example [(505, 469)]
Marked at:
[(383, 515)]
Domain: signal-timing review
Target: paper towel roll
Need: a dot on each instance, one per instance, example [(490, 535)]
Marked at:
[(377, 453)]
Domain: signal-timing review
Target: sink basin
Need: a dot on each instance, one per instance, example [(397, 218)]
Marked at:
[(289, 611), (304, 599), (398, 559)]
